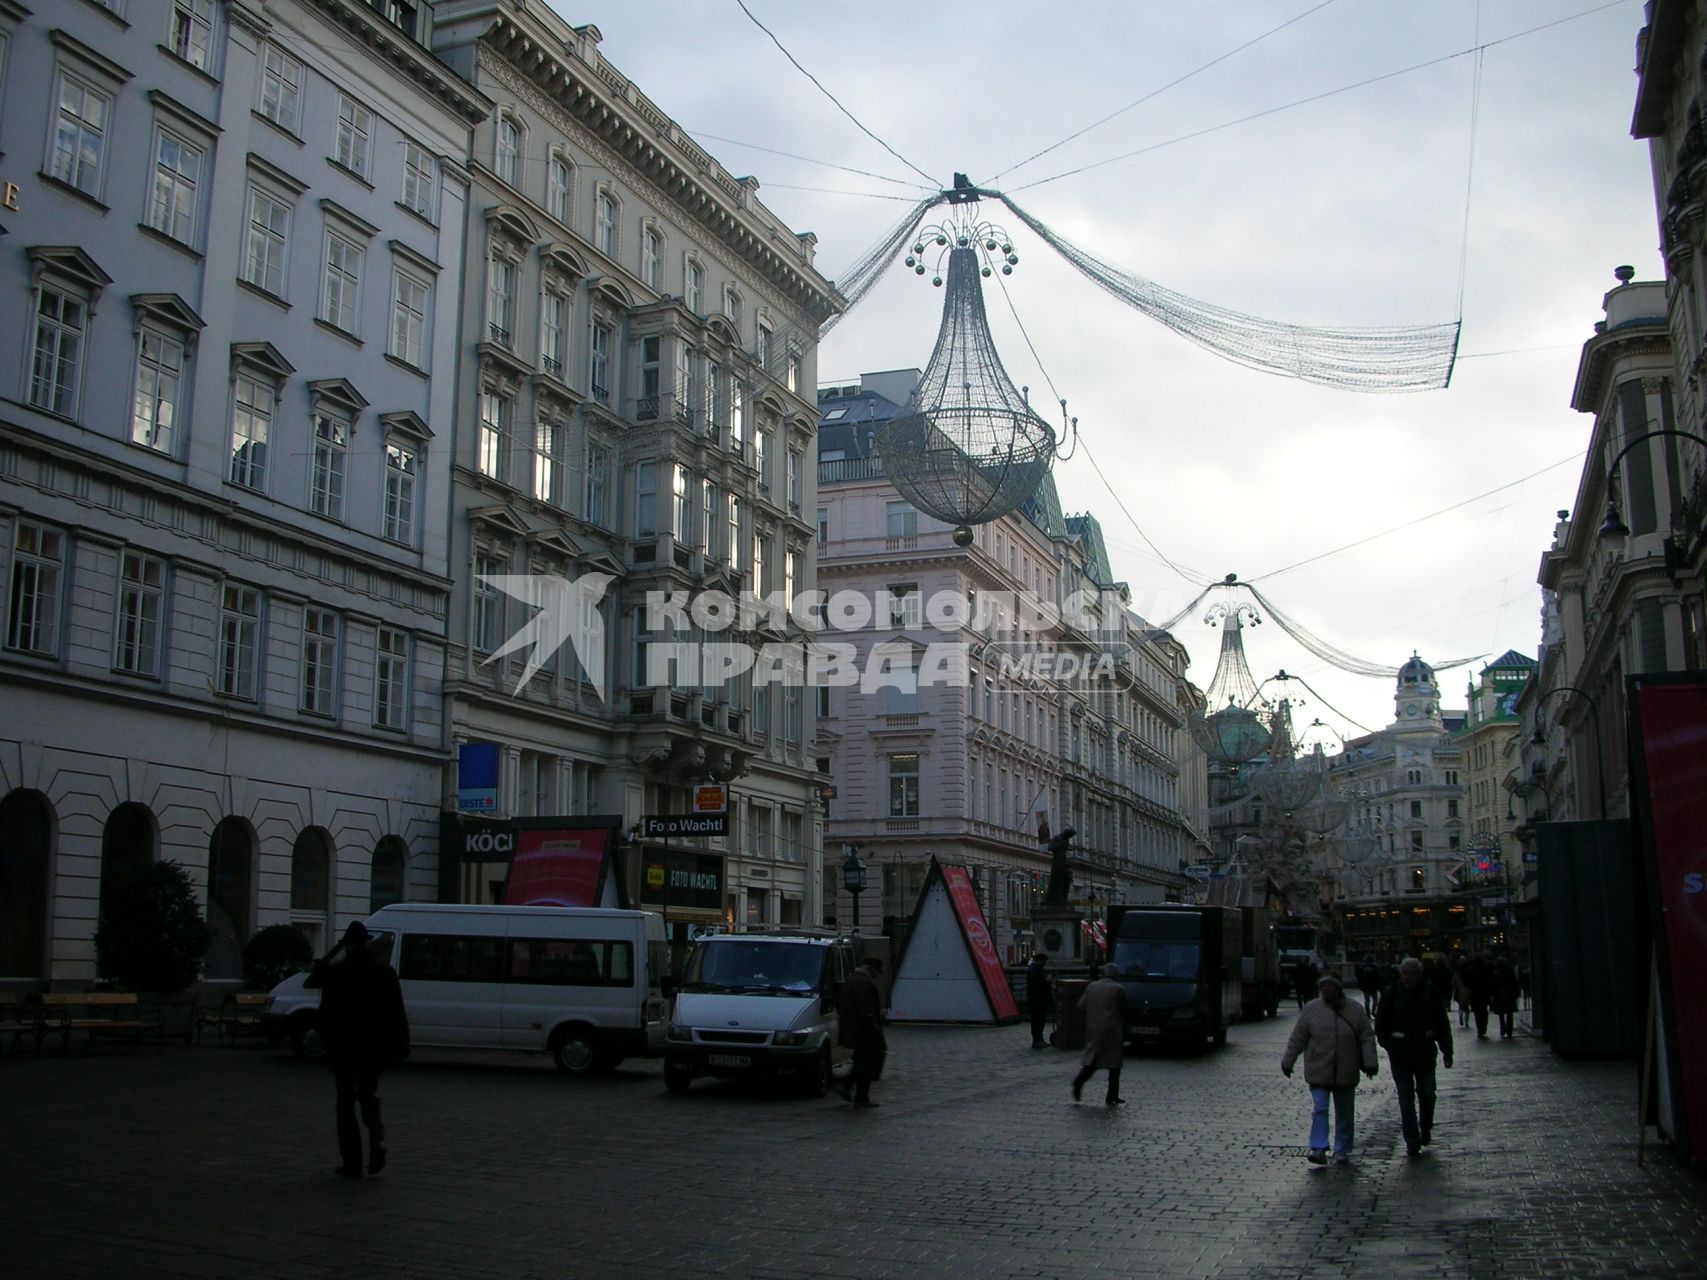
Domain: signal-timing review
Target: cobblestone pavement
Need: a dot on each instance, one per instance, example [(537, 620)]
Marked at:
[(217, 1161)]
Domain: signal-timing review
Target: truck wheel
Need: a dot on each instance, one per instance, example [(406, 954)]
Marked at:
[(819, 1082), (677, 1079), (575, 1052)]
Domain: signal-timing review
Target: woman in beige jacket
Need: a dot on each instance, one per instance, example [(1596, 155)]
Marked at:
[(1334, 1036)]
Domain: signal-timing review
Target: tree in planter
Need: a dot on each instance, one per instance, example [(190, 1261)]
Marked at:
[(152, 937), (273, 954)]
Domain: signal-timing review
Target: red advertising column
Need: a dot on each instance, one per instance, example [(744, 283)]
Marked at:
[(1672, 721), (990, 973)]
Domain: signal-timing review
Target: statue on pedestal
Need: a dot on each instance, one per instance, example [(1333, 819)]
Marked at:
[(1060, 869)]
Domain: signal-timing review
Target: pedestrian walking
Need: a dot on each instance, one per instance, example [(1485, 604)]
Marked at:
[(859, 1026), (1369, 983), (1037, 996), (1461, 991), (1413, 1027), (1335, 1038), (1304, 981), (1105, 1035), (365, 1029), (1479, 977), (1503, 995)]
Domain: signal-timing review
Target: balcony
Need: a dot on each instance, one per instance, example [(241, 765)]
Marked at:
[(497, 333), (552, 365), (843, 469), (601, 393)]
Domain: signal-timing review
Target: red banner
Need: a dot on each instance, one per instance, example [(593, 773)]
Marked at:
[(1673, 721), (557, 868), (978, 938)]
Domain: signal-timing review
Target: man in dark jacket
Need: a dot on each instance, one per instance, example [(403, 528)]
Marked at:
[(859, 1026), (1369, 982), (1037, 997), (1411, 1025), (365, 1030)]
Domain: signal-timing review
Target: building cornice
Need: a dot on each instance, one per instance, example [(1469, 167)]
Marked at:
[(406, 57)]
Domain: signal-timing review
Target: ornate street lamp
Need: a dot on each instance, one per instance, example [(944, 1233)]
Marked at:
[(1614, 533), (853, 880), (1540, 740)]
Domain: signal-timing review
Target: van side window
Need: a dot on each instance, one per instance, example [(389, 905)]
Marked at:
[(429, 957), (561, 962)]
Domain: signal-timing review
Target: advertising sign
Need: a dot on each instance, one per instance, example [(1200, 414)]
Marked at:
[(477, 777), (1671, 723), (682, 878), (989, 964), (710, 797), (716, 824), (561, 867)]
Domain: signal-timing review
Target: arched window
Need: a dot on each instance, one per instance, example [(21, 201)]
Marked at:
[(127, 842), (311, 885), (26, 864), (230, 895), (385, 883)]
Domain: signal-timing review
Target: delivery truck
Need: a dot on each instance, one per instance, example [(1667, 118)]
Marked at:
[(1260, 984), (1181, 967)]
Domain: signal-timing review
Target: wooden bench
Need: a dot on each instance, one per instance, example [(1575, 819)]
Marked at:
[(15, 1022), (239, 1012), (101, 1015)]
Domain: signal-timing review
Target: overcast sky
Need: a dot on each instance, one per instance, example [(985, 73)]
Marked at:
[(1347, 210)]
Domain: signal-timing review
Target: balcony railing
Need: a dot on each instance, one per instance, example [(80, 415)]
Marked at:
[(601, 393), (499, 334), (552, 365), (844, 469)]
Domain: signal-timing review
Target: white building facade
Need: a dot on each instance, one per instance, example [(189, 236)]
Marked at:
[(639, 334), (234, 239)]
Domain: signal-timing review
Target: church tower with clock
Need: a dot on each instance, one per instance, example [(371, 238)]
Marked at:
[(1416, 698)]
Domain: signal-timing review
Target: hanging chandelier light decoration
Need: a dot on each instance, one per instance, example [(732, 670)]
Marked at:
[(967, 447), (1228, 730)]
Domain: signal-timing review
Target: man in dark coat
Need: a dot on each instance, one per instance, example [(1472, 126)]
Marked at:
[(365, 1030), (1304, 981), (1411, 1026), (1037, 997), (1504, 994), (1369, 982), (1479, 977), (859, 1026)]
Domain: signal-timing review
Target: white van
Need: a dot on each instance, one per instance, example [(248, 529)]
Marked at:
[(580, 983), (754, 1004)]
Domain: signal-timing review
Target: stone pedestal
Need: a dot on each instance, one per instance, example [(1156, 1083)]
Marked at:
[(1055, 932)]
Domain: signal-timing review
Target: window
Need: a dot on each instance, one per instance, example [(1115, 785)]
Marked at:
[(762, 709), (823, 528), (766, 345), (554, 962), (494, 432), (136, 621), (791, 712), (269, 233), (281, 89), (327, 464), (645, 499), (251, 424), (159, 382), (732, 307), (398, 520), (1419, 879), (1452, 808), (192, 32), (762, 458), (239, 635), (734, 532), (355, 136), (904, 786), (488, 611), (509, 149), (794, 480), (391, 679), (341, 286), (902, 696), (599, 361), (420, 179), (905, 604), (550, 439), (177, 174), (38, 566), (559, 188), (711, 516), (651, 356), (598, 484), (695, 288), (80, 135), (604, 224), (761, 574), (1416, 809), (737, 415), (1417, 841), (791, 374), (902, 520), (500, 299), (713, 398), (650, 248), (319, 662), (553, 326), (682, 510), (442, 958), (408, 319), (61, 322)]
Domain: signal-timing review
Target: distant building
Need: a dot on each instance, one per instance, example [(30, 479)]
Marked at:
[(231, 269), (1493, 873), (974, 770), (1406, 784)]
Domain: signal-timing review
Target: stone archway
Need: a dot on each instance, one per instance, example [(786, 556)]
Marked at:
[(230, 895), (27, 830)]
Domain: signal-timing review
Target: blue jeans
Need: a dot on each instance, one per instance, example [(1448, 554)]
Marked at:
[(1345, 1103), (1415, 1086)]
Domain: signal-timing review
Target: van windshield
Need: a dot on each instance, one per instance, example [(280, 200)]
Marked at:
[(762, 968), (1157, 959)]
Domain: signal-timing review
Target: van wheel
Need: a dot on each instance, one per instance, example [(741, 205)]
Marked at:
[(305, 1041), (575, 1052), (677, 1079), (819, 1082), (1220, 1037)]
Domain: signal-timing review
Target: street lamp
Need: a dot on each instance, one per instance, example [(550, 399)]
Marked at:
[(1539, 739), (853, 879), (1614, 533)]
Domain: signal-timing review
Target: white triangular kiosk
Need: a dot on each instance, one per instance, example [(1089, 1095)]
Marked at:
[(949, 971)]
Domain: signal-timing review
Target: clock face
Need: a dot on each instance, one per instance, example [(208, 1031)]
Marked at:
[(1412, 710)]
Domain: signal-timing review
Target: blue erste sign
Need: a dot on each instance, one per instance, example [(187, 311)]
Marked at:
[(477, 777)]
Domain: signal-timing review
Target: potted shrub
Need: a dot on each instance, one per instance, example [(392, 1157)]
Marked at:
[(152, 940)]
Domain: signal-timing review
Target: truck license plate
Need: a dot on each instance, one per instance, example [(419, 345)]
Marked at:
[(728, 1060), (1148, 1031)]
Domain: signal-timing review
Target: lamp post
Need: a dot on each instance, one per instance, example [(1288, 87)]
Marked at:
[(1540, 740), (1614, 532), (853, 879)]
